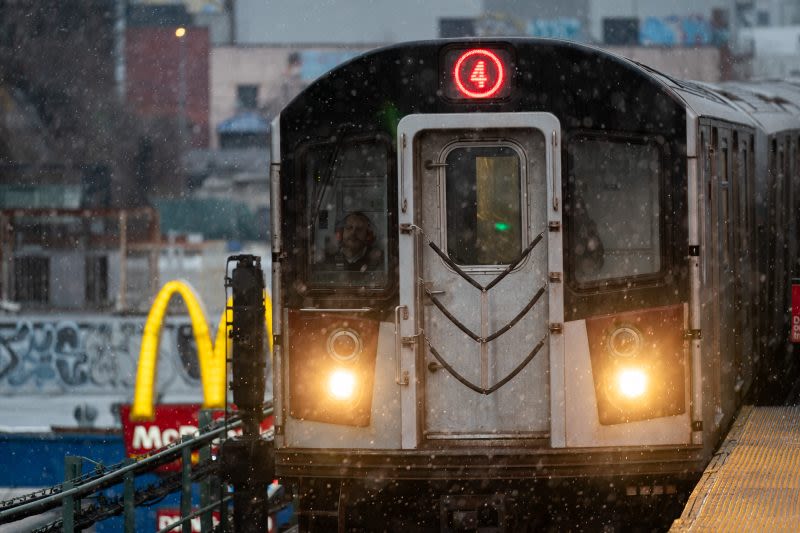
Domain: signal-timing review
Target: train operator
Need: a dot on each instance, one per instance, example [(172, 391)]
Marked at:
[(357, 251)]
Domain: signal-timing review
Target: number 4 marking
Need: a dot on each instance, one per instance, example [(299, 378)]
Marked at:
[(478, 75)]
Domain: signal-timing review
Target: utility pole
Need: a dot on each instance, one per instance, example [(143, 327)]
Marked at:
[(180, 33), (230, 7)]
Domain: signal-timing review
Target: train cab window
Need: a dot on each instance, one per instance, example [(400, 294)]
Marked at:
[(483, 203), (613, 216), (347, 214)]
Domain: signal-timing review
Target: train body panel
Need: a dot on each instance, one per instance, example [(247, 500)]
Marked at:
[(385, 428), (584, 426), (516, 259)]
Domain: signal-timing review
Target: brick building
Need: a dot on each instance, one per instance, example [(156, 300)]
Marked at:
[(167, 77)]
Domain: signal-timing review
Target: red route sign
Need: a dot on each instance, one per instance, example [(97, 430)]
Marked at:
[(795, 333), (479, 73)]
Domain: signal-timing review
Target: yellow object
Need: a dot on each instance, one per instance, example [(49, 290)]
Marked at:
[(632, 383), (342, 384), (212, 359)]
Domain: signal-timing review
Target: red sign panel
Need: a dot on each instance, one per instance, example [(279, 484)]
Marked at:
[(170, 423), (477, 74), (795, 336), (168, 516)]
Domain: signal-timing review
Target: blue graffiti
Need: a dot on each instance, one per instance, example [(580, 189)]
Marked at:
[(556, 28), (35, 359), (675, 30)]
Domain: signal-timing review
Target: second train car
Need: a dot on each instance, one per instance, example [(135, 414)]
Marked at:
[(499, 262)]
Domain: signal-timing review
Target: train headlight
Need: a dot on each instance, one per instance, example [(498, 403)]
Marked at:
[(632, 383), (331, 367), (625, 341), (344, 344), (342, 384), (639, 361)]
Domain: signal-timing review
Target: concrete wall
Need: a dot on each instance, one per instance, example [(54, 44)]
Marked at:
[(53, 365), (697, 63), (600, 9), (772, 41), (345, 21)]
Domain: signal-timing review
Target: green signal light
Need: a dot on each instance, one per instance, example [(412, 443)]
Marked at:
[(502, 226)]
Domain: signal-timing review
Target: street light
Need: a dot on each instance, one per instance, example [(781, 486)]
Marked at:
[(180, 33)]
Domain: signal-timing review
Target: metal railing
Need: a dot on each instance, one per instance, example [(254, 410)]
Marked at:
[(68, 495)]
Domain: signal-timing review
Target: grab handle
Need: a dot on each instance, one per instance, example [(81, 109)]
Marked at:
[(401, 378)]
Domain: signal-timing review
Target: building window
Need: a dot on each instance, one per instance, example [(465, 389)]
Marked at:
[(456, 27), (247, 97), (621, 31), (97, 280), (32, 279)]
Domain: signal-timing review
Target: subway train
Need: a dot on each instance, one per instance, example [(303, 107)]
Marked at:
[(503, 266)]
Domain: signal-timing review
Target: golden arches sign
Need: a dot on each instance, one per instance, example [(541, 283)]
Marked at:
[(212, 358)]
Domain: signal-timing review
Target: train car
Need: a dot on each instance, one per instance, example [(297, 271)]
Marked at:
[(498, 264)]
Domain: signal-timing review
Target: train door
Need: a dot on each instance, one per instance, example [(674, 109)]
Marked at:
[(795, 268), (782, 288), (481, 194), (725, 274), (738, 254), (744, 246)]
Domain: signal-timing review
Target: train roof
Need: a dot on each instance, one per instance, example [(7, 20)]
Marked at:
[(702, 100), (771, 105), (586, 87), (574, 68), (774, 104)]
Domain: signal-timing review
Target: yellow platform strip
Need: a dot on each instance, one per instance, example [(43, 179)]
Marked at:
[(753, 481)]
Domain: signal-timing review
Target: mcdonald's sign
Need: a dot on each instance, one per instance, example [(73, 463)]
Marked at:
[(212, 358)]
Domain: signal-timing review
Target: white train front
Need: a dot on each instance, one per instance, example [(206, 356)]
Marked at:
[(502, 262)]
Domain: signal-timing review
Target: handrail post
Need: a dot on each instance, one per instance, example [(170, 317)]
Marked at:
[(186, 488), (72, 471), (129, 504), (206, 519), (222, 492)]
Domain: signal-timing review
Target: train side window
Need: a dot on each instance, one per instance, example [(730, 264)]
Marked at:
[(725, 203), (483, 201), (614, 214), (347, 214)]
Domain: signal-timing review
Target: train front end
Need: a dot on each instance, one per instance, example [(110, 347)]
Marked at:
[(480, 273)]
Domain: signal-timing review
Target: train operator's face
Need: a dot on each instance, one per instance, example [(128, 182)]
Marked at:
[(354, 235)]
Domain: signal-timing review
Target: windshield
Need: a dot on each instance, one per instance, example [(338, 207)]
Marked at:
[(347, 213), (604, 175)]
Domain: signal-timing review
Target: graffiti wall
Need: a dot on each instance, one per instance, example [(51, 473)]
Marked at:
[(556, 28), (90, 355), (677, 30)]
